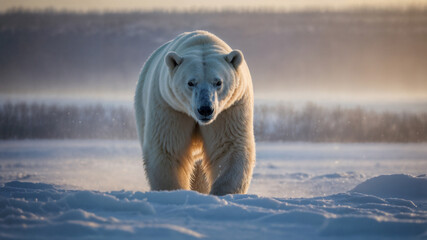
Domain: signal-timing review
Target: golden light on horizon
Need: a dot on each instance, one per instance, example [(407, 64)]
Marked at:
[(169, 5)]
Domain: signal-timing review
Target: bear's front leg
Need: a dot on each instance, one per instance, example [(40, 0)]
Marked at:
[(229, 146), (232, 173), (165, 170), (167, 150)]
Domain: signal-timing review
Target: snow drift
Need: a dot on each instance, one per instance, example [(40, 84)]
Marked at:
[(397, 185), (369, 211)]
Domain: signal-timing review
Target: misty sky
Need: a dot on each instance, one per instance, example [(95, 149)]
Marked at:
[(336, 57), (90, 5)]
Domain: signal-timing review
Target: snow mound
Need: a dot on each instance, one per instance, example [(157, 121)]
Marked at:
[(396, 185), (45, 211)]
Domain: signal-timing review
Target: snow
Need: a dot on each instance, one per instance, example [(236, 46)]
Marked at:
[(73, 190), (398, 185)]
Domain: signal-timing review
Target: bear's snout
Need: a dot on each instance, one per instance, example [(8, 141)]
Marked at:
[(205, 102), (205, 111)]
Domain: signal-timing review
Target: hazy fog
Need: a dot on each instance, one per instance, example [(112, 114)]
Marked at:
[(357, 57)]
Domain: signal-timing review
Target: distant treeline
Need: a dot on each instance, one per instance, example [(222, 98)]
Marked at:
[(319, 124), (29, 121), (272, 123)]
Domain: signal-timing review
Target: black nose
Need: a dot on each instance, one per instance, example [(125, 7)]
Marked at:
[(205, 111)]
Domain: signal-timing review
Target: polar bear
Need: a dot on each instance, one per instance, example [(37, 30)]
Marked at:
[(194, 115)]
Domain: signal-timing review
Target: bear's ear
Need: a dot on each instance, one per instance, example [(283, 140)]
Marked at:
[(235, 57), (172, 60)]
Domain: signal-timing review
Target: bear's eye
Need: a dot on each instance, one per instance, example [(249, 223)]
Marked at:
[(191, 83), (218, 83)]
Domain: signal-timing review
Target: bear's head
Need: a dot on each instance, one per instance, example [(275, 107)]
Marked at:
[(204, 86)]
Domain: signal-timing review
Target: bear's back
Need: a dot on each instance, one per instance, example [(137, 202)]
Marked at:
[(190, 40)]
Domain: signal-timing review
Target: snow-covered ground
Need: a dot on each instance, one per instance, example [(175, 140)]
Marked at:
[(86, 189)]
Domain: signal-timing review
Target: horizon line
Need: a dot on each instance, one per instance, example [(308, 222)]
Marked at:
[(265, 9)]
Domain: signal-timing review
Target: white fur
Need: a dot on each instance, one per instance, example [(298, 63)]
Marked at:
[(173, 133)]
